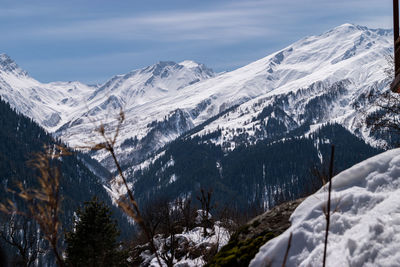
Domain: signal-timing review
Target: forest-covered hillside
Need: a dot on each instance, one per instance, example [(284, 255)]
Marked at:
[(262, 174), (20, 141)]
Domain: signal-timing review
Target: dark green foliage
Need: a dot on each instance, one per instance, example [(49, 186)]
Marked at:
[(196, 162), (266, 172), (130, 142), (20, 140), (384, 122), (93, 241), (349, 149)]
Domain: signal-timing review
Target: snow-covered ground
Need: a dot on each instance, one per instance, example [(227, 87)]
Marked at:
[(365, 224), (191, 245), (218, 236)]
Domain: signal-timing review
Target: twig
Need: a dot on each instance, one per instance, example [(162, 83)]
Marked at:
[(328, 211), (287, 250), (109, 145)]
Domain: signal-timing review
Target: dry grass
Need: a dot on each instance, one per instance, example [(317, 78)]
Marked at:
[(44, 201)]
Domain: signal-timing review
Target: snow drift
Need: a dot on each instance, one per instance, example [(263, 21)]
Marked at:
[(365, 226)]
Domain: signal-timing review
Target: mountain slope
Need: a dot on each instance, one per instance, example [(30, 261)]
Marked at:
[(20, 139), (334, 74), (48, 104), (64, 107), (318, 79), (261, 174), (54, 104)]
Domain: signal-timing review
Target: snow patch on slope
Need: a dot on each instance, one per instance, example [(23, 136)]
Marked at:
[(194, 239)]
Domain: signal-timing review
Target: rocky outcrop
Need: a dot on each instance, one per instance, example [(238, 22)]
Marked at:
[(245, 243)]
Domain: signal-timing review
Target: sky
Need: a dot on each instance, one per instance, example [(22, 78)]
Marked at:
[(91, 41)]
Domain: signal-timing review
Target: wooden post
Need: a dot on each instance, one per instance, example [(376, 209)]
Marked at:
[(395, 86)]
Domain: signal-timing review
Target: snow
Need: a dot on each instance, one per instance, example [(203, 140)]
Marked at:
[(320, 62), (191, 244), (74, 101), (364, 227), (189, 64), (349, 53), (218, 235), (172, 179)]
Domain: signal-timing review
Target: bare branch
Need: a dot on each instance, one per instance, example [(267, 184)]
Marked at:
[(128, 204)]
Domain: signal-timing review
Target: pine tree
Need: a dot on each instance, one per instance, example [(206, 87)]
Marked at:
[(93, 241)]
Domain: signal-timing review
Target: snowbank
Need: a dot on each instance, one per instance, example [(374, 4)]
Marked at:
[(365, 228), (189, 243)]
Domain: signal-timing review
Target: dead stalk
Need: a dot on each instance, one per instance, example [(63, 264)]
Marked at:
[(44, 202), (128, 205), (287, 250), (328, 207)]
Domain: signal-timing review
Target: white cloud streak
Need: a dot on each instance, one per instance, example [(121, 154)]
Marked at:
[(233, 27), (219, 25), (227, 23)]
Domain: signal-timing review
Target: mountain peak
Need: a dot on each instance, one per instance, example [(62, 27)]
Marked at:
[(3, 56), (161, 68), (347, 25), (9, 65), (350, 27), (189, 64), (156, 68), (163, 64)]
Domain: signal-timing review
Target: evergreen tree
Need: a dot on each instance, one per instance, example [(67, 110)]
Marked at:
[(93, 241)]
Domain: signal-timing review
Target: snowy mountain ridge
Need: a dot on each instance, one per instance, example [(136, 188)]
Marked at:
[(316, 80), (8, 65), (333, 89), (56, 103)]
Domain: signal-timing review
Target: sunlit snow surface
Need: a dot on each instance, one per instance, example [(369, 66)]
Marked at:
[(365, 226), (350, 55), (219, 235)]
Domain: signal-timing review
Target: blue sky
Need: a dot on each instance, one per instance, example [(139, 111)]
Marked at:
[(91, 41)]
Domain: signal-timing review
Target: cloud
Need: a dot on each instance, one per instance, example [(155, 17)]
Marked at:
[(19, 12), (223, 34), (227, 24)]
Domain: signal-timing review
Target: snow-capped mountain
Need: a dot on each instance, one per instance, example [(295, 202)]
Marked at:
[(64, 107), (316, 80), (160, 80), (56, 103), (48, 104)]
